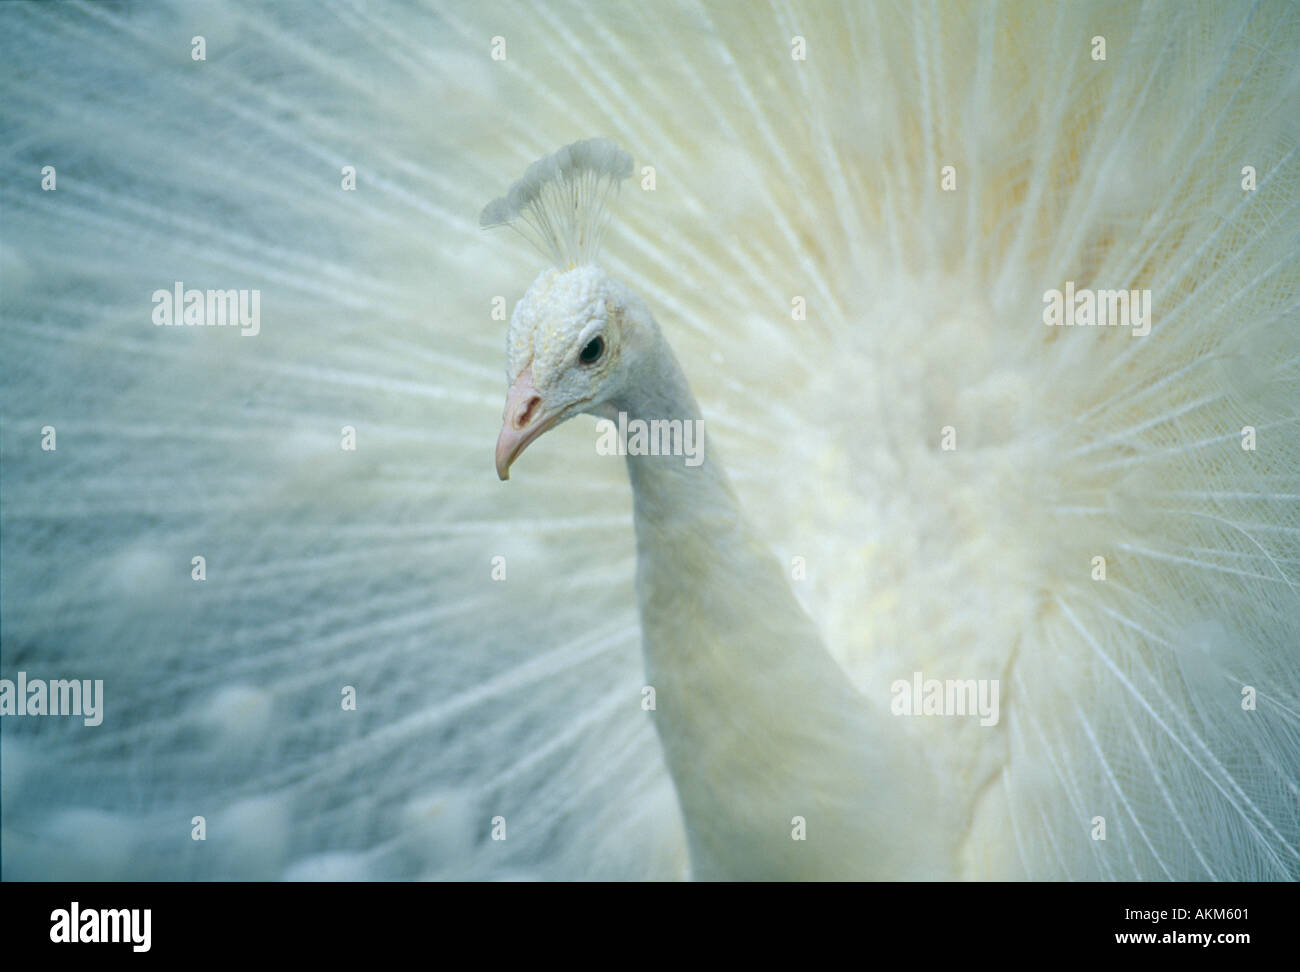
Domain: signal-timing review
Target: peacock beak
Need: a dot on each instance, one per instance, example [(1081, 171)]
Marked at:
[(525, 418)]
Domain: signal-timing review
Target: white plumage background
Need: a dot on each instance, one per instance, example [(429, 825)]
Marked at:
[(774, 178)]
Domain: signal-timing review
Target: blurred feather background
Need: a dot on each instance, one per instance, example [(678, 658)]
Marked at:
[(774, 178)]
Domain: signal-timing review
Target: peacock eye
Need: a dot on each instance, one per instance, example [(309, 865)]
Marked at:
[(592, 351)]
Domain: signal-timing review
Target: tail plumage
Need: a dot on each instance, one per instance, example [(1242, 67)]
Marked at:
[(837, 308)]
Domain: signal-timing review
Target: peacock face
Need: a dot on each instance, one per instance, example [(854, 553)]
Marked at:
[(565, 351)]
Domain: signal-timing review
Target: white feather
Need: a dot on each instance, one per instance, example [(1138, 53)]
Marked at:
[(561, 199)]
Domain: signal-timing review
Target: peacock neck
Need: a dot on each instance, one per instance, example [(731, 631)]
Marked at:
[(681, 489), (757, 721)]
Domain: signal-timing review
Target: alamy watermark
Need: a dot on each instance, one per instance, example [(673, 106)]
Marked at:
[(952, 697), (651, 437), (179, 307), (58, 697), (126, 925), (1098, 308)]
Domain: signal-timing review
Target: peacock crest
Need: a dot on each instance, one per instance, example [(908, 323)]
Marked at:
[(561, 204)]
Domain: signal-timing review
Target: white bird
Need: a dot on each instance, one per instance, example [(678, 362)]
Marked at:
[(333, 646), (760, 727)]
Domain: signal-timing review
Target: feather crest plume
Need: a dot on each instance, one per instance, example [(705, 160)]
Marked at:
[(559, 205)]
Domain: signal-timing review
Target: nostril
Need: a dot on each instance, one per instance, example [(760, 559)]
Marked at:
[(526, 410)]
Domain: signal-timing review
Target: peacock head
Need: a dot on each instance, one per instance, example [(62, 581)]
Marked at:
[(577, 333), (574, 339)]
